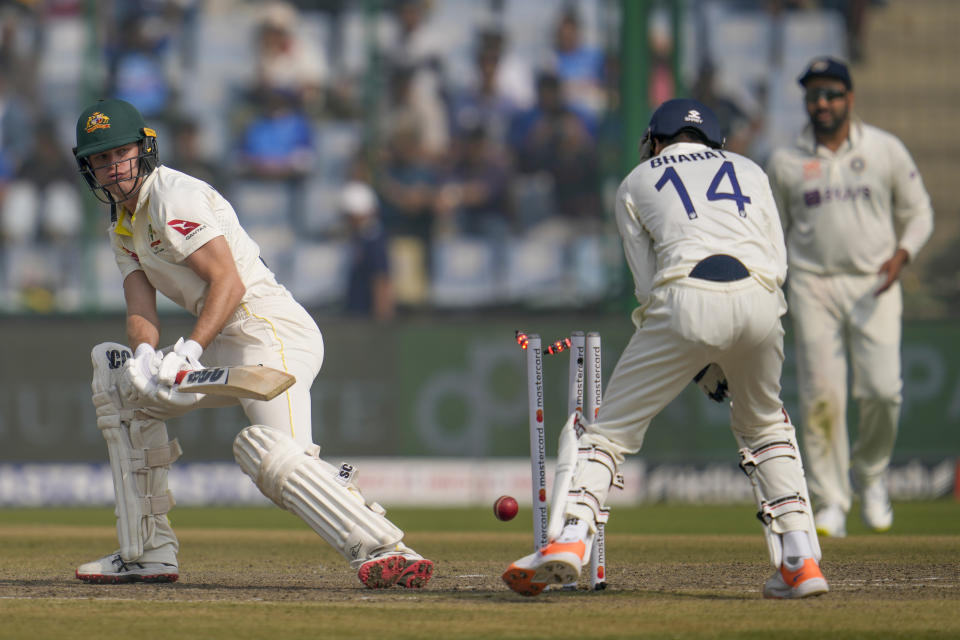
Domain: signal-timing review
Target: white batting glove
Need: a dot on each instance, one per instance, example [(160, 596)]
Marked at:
[(713, 382), (185, 355), (141, 370)]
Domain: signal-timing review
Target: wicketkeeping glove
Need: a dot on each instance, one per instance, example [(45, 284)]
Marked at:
[(185, 355), (713, 382)]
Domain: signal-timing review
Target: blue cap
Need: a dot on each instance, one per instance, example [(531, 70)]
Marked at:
[(685, 113), (827, 67)]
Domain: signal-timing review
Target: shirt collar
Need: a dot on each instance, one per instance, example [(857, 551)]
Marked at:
[(125, 218), (807, 142)]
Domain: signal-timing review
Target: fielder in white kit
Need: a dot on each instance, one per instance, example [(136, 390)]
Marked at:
[(175, 234), (855, 211), (702, 236)]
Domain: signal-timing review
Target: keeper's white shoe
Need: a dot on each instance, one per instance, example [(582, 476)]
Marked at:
[(875, 508), (402, 566), (556, 563), (831, 522), (112, 569)]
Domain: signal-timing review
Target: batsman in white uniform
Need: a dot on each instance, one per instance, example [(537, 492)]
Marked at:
[(703, 239), (854, 211), (175, 234)]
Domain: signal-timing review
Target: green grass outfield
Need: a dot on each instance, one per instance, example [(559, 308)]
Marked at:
[(674, 571)]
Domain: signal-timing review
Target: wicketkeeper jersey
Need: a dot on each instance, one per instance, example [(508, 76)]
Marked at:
[(848, 212), (177, 214), (690, 202)]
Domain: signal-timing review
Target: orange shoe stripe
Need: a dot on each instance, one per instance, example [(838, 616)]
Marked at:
[(808, 571), (578, 547)]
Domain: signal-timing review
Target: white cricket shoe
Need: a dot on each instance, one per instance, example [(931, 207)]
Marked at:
[(875, 508), (112, 569), (402, 566), (556, 563), (831, 522), (803, 582)]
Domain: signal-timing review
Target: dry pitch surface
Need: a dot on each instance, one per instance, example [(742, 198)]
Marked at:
[(259, 573)]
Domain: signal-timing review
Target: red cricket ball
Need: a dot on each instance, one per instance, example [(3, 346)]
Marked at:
[(505, 508)]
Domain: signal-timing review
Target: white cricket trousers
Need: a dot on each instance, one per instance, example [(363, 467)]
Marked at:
[(834, 315), (687, 325), (275, 332)]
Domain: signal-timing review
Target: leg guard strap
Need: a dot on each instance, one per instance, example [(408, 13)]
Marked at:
[(776, 465)]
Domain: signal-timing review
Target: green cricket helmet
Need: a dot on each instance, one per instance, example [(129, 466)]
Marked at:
[(108, 124)]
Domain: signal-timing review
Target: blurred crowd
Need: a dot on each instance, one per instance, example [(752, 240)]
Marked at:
[(418, 153)]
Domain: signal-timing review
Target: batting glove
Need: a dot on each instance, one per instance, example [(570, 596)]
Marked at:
[(713, 382), (185, 355), (141, 370)]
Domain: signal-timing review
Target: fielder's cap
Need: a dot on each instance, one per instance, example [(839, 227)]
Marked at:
[(358, 199), (108, 124), (684, 113), (827, 67)]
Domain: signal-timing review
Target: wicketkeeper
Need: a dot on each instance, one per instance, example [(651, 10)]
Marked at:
[(702, 236), (175, 234)]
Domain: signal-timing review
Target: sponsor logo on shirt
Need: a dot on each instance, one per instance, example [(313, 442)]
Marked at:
[(154, 240), (185, 227), (131, 254), (811, 170), (816, 197)]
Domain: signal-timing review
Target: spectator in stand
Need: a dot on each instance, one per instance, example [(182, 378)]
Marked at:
[(278, 143), (16, 127), (408, 109), (287, 62), (50, 178), (555, 139), (141, 71), (481, 103), (476, 190), (407, 186), (579, 66), (369, 288), (739, 120), (514, 78), (188, 157)]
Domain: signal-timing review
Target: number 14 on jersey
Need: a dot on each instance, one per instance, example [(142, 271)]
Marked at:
[(726, 170)]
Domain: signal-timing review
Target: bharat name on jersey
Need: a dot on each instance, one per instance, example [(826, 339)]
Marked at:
[(846, 212), (690, 202), (177, 214)]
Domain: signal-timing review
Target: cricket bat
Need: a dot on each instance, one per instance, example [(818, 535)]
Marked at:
[(242, 381)]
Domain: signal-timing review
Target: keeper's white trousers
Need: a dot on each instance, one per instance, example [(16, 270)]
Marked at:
[(834, 315), (687, 325), (275, 332)]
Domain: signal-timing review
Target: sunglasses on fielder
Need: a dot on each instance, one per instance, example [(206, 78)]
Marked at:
[(814, 95)]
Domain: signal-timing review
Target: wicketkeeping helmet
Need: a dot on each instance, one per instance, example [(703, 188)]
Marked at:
[(673, 116), (108, 124)]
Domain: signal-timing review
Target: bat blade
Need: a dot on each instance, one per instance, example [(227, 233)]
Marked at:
[(242, 381)]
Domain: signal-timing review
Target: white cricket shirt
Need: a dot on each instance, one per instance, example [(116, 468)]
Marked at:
[(176, 215), (848, 212), (690, 202)]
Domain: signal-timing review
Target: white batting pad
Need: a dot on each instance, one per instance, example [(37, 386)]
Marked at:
[(323, 496), (563, 475), (776, 474), (140, 456)]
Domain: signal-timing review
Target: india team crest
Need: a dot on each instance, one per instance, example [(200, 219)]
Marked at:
[(857, 164), (96, 121)]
